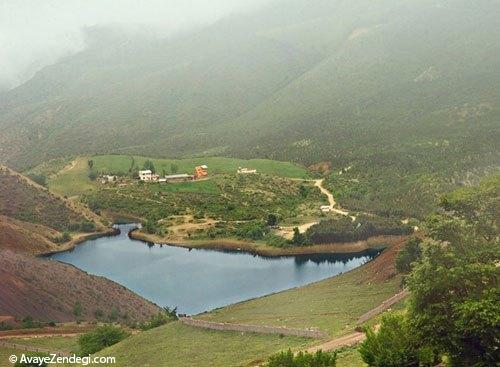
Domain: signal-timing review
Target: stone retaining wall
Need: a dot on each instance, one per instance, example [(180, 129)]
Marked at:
[(306, 333)]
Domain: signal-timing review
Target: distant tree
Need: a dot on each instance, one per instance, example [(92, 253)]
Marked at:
[(78, 309), (100, 338), (303, 359), (114, 314), (272, 219), (92, 175), (174, 168), (298, 238), (148, 164)]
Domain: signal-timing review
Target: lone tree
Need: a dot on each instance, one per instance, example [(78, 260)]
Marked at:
[(272, 219), (298, 238), (148, 164)]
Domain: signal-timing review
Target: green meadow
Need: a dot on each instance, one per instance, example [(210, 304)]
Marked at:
[(120, 164)]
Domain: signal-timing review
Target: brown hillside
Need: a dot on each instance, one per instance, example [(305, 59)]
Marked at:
[(23, 199), (48, 290), (25, 237)]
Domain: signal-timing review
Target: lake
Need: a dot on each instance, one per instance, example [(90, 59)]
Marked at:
[(199, 280)]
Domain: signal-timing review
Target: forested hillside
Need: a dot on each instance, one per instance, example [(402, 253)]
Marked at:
[(403, 92)]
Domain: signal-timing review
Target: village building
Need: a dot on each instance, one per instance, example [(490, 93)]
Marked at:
[(177, 178), (244, 170), (200, 171), (145, 175), (325, 208)]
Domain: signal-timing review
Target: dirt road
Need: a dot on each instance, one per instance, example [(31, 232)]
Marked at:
[(331, 201)]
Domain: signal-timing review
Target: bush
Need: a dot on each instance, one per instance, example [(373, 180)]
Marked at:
[(288, 359), (160, 319), (87, 226), (100, 338), (394, 345), (92, 175)]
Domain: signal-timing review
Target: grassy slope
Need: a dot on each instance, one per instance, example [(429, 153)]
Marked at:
[(73, 179), (350, 358), (71, 182), (177, 345), (216, 165), (333, 305), (59, 343)]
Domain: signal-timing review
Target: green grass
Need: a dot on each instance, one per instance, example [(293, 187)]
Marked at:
[(216, 165), (206, 186), (57, 343), (350, 357), (5, 353), (73, 181), (332, 305), (179, 345)]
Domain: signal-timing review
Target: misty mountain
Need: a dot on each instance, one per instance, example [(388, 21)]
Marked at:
[(338, 81)]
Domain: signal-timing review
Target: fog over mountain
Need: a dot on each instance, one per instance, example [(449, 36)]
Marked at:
[(34, 34)]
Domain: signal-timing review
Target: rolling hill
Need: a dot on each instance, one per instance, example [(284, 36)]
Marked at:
[(48, 290), (32, 221), (404, 92)]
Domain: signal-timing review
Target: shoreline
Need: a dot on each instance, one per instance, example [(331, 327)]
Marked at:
[(261, 249), (70, 245)]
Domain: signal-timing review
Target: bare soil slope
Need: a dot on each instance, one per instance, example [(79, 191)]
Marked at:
[(48, 290)]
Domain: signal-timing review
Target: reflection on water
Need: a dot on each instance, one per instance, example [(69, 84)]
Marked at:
[(198, 280)]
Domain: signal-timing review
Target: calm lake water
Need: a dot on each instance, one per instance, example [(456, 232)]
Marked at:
[(200, 280)]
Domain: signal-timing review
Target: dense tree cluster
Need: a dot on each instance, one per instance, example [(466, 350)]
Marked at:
[(454, 308), (345, 229)]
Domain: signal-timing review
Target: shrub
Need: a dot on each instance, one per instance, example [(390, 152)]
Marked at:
[(78, 309), (100, 338), (288, 359), (394, 345), (87, 226), (168, 314)]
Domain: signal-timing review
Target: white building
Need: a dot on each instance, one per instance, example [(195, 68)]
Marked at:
[(325, 208), (244, 170), (146, 175)]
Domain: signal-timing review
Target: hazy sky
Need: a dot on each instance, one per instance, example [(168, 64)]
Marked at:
[(34, 33)]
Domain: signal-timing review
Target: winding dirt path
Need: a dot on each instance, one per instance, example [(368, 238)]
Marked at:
[(331, 200)]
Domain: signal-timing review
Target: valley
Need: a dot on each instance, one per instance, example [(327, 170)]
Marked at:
[(272, 183)]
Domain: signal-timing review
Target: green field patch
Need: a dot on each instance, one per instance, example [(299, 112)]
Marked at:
[(332, 305), (72, 180), (179, 345), (55, 343), (121, 164)]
